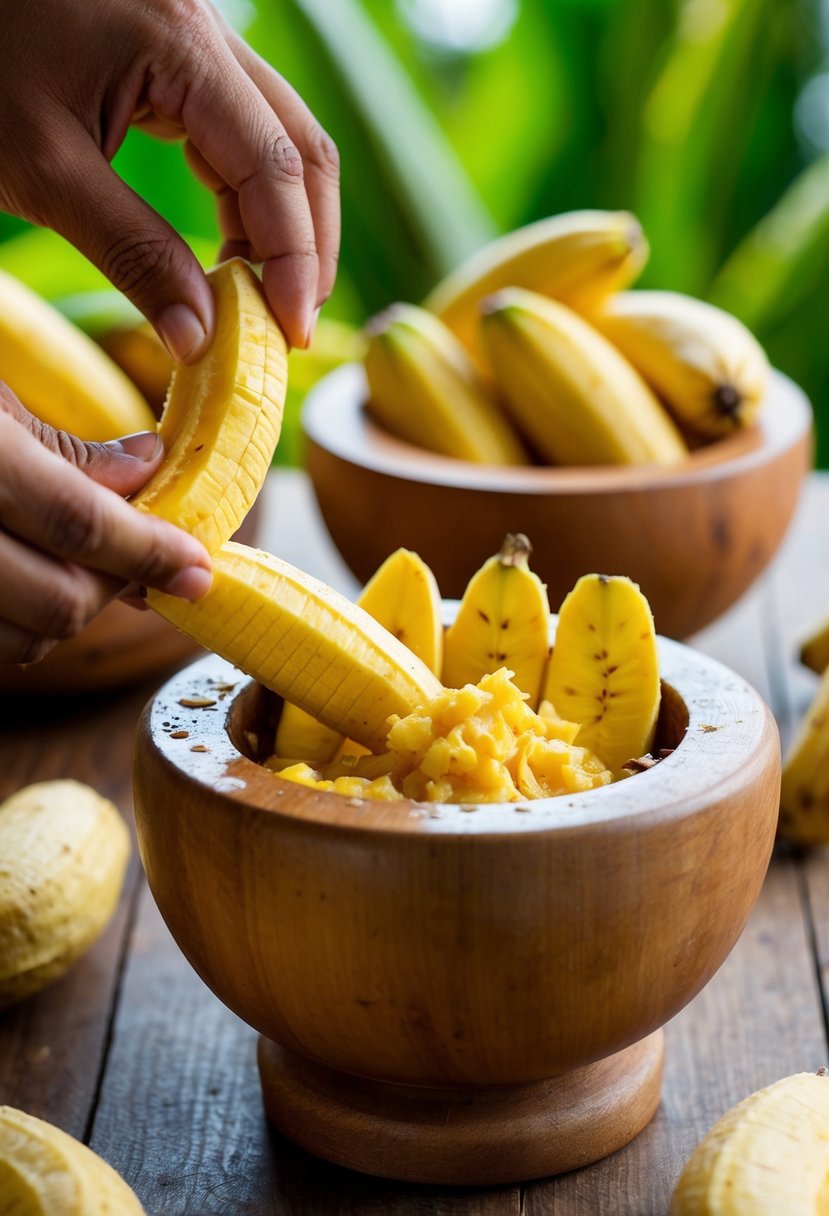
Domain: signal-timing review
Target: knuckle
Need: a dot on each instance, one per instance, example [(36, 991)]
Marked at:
[(69, 610), (74, 525), (133, 262), (323, 153), (284, 159)]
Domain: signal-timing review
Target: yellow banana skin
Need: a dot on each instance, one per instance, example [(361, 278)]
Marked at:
[(503, 621), (45, 1172), (403, 597), (814, 652), (570, 391), (65, 850), (141, 355), (223, 415), (309, 644), (804, 793), (60, 374), (604, 669), (425, 389), (579, 257), (766, 1157), (702, 362)]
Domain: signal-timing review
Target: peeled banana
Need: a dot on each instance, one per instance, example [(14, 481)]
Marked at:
[(403, 597), (703, 363), (64, 851), (503, 621), (766, 1157), (45, 1172), (60, 374), (424, 388), (575, 397), (300, 638), (579, 257), (604, 669), (223, 414), (804, 793)]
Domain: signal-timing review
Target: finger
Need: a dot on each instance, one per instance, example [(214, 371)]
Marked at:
[(21, 646), (124, 465), (48, 598), (77, 193), (319, 157), (46, 501), (241, 138)]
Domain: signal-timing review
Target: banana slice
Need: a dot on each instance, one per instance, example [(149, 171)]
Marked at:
[(223, 416), (604, 669)]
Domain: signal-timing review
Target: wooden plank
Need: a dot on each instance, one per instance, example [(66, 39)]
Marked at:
[(181, 1118), (52, 1047)]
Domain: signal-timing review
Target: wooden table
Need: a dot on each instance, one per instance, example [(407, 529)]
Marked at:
[(132, 1053)]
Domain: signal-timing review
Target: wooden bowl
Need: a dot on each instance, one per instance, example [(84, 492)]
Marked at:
[(457, 995), (694, 536), (120, 646)]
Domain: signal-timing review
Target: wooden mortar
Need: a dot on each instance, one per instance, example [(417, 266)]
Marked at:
[(450, 994)]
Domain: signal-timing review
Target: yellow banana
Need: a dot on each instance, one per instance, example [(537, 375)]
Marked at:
[(579, 257), (702, 362), (403, 597), (503, 621), (141, 355), (424, 388), (804, 793), (604, 669), (766, 1157), (814, 652), (60, 374), (45, 1172), (575, 397), (223, 415), (309, 644), (65, 851)]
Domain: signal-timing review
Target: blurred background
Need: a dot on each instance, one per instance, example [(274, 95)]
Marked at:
[(459, 119)]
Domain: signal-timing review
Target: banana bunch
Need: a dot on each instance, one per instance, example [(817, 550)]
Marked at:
[(45, 1172), (804, 793), (766, 1157), (582, 370)]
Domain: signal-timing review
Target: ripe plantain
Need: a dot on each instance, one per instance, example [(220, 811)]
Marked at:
[(814, 652), (223, 415), (703, 363), (45, 1172), (579, 257), (424, 388), (765, 1157), (64, 851), (503, 621), (141, 355), (804, 793), (403, 597), (309, 644), (604, 669), (574, 396), (60, 374)]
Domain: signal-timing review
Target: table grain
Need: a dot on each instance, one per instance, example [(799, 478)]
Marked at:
[(131, 1053)]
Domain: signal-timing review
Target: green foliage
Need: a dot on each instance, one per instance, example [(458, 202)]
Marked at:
[(682, 110)]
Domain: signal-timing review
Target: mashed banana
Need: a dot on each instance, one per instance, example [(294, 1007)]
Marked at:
[(480, 743)]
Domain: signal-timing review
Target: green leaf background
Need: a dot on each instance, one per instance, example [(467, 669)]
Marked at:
[(683, 110)]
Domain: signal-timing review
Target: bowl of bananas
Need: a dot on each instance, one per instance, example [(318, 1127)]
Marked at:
[(458, 881), (624, 430)]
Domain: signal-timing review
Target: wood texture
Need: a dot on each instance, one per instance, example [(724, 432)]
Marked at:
[(179, 1111), (721, 514)]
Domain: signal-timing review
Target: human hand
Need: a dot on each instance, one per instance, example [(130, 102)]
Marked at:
[(74, 76), (69, 543)]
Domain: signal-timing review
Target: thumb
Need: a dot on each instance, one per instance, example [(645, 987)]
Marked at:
[(123, 465), (141, 254)]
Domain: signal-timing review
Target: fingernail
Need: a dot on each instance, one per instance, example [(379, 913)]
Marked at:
[(181, 330), (191, 583), (309, 333), (145, 446)]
